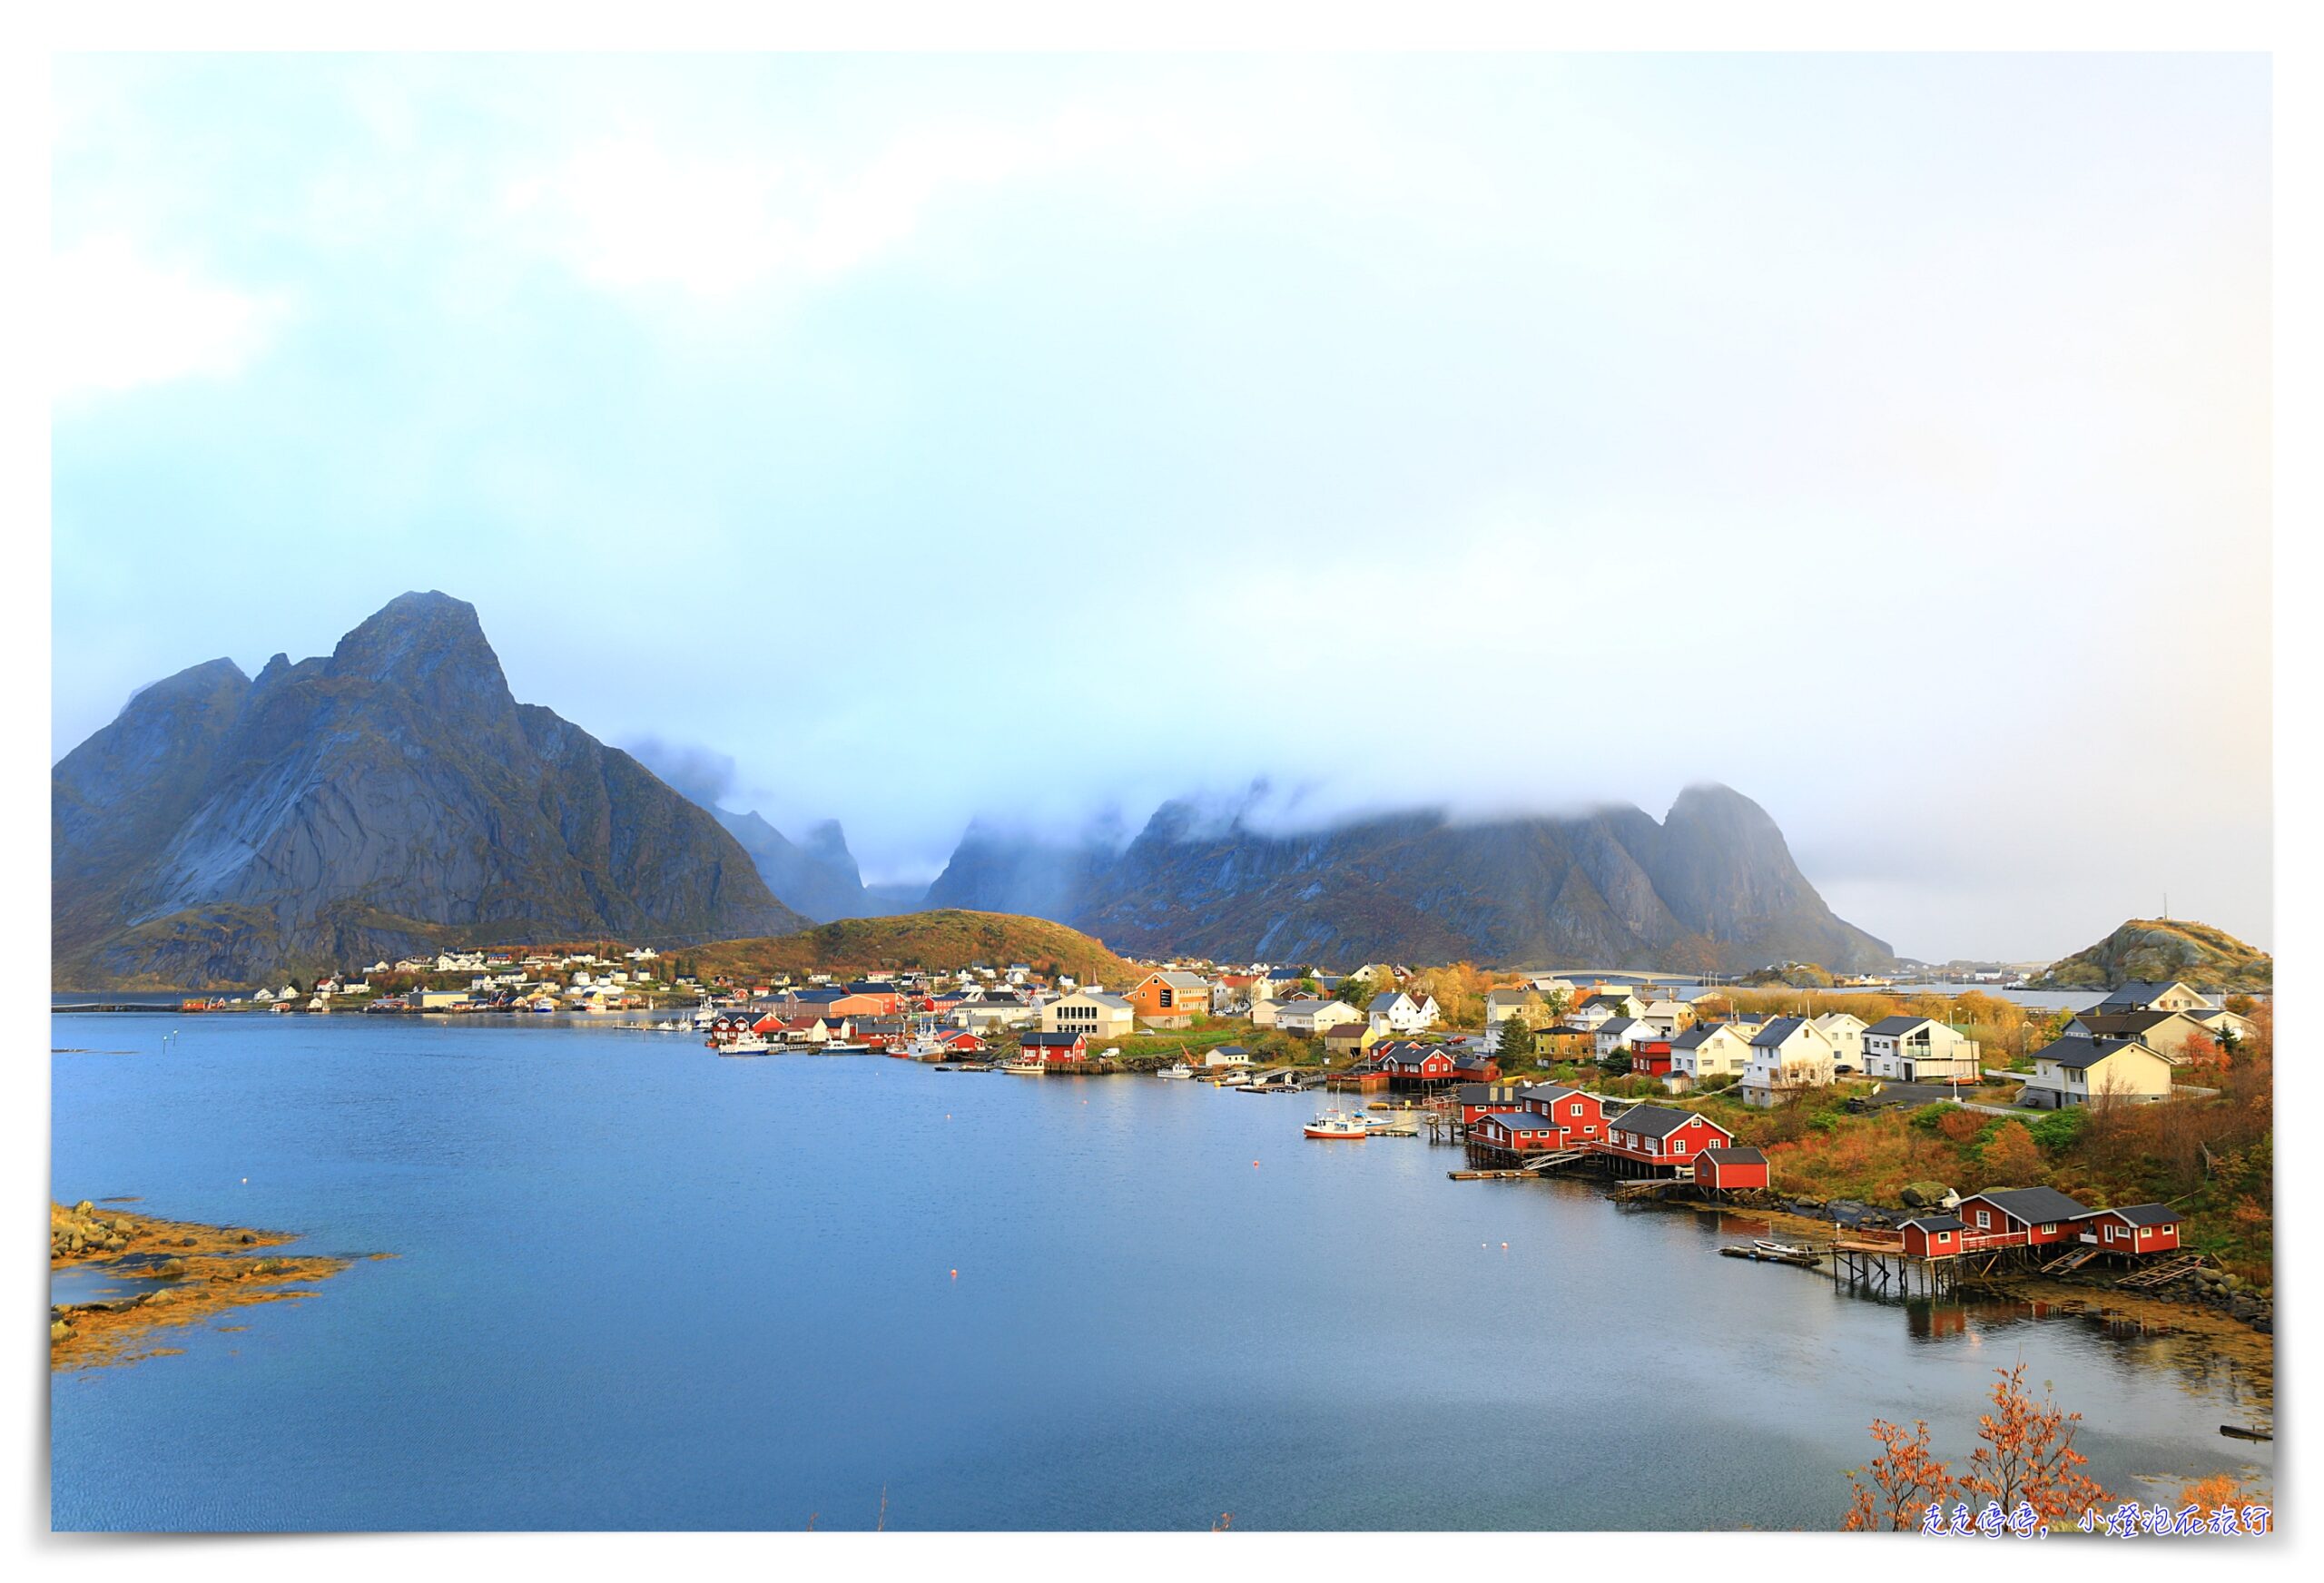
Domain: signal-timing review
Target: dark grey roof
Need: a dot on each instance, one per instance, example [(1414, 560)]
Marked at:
[(1045, 1041), (1776, 1032), (1616, 1025), (2076, 1052), (1935, 1223), (1517, 1120), (2033, 1205), (1486, 1093), (1897, 1025), (2140, 1214), (1741, 1155), (1652, 1120), (1913, 1094), (2123, 1025), (1613, 1002), (1548, 1094), (2139, 992)]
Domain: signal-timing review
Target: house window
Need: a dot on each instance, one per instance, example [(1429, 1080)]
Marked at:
[(1981, 1219), (1677, 1146)]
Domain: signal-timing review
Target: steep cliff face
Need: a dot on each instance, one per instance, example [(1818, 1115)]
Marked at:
[(1711, 886), (997, 871), (817, 875), (387, 798)]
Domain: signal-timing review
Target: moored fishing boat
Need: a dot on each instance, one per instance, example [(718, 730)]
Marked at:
[(745, 1043), (1339, 1124), (1175, 1070), (1025, 1067)]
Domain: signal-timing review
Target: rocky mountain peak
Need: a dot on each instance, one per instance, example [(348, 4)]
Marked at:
[(428, 644)]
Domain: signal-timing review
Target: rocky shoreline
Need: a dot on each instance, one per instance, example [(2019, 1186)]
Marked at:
[(172, 1273)]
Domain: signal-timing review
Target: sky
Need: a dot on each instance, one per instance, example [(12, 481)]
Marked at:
[(910, 440)]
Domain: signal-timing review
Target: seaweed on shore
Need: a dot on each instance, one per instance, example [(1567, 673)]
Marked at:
[(193, 1273)]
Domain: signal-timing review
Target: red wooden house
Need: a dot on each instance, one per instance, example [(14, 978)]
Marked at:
[(1410, 1063), (2142, 1228), (1650, 1058), (1731, 1170), (1518, 1132), (1056, 1048), (1476, 1099), (1653, 1139), (1580, 1116), (1474, 1066), (960, 1041), (1933, 1237), (2034, 1218)]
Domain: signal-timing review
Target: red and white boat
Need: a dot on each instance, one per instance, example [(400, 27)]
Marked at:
[(1339, 1124)]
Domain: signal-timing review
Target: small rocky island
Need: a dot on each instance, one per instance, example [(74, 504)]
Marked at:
[(155, 1275)]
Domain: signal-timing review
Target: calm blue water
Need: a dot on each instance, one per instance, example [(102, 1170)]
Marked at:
[(639, 1286)]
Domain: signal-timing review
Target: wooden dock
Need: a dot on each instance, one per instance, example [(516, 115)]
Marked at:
[(1492, 1175)]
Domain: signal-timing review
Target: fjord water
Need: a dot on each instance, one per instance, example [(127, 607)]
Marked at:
[(639, 1286)]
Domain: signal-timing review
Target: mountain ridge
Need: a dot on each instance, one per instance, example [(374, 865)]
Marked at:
[(391, 797), (1712, 887)]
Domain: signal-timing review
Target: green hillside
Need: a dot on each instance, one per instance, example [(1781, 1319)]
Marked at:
[(2158, 949), (933, 941)]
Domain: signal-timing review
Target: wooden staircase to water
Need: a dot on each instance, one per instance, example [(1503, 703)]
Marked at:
[(2164, 1273)]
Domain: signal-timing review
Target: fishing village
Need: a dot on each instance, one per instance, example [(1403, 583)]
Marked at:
[(1900, 1145)]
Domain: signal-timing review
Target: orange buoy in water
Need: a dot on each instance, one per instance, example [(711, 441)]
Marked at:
[(956, 1274)]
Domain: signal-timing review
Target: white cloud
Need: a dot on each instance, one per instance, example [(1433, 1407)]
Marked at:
[(119, 320), (640, 209)]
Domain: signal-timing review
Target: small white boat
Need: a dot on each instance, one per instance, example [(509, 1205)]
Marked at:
[(1339, 1124), (838, 1047), (1177, 1070), (1024, 1066), (737, 1044)]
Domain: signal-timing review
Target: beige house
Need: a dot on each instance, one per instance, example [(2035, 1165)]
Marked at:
[(1086, 1011), (1707, 1050), (2222, 1023), (2080, 1071), (1308, 1016), (2154, 996), (1500, 1005), (2166, 1032), (1667, 1016)]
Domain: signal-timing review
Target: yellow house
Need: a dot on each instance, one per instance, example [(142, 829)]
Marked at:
[(2080, 1071)]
